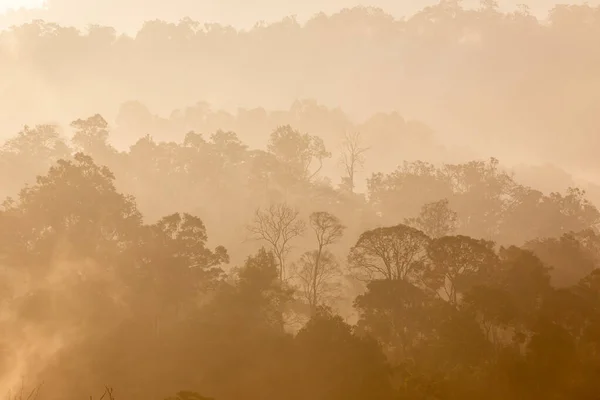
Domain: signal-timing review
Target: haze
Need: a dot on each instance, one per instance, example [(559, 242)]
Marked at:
[(240, 14), (300, 201)]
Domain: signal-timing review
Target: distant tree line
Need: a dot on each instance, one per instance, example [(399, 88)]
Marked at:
[(506, 76)]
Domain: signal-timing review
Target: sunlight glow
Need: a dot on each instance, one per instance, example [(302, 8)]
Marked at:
[(6, 5)]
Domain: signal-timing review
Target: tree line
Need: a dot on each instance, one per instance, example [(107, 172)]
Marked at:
[(440, 282)]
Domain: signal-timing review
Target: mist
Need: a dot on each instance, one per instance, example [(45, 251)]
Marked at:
[(225, 201), (133, 13)]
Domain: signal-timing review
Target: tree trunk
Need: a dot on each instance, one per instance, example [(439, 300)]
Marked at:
[(315, 277)]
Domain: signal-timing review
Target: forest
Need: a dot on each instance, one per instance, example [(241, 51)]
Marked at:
[(299, 253), (478, 76), (439, 282)]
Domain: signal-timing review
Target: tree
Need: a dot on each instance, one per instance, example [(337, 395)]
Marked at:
[(436, 219), (493, 309), (588, 291), (29, 154), (90, 133), (327, 227), (352, 158), (533, 215), (525, 278), (91, 137), (398, 314), (337, 364), (277, 225), (458, 263), (76, 204), (571, 256), (71, 233), (316, 271), (239, 335), (259, 286), (397, 252), (481, 192), (298, 151), (317, 267), (403, 192), (228, 146), (551, 357), (43, 142), (174, 265)]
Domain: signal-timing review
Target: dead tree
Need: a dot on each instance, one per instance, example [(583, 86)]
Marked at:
[(277, 225), (352, 157)]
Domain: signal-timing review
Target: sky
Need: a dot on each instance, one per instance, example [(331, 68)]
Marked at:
[(7, 4), (239, 13)]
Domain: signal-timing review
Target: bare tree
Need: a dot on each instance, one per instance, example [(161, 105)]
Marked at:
[(317, 266), (352, 157), (316, 272), (327, 227), (277, 225)]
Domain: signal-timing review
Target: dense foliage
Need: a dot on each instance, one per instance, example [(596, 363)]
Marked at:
[(306, 253), (441, 282)]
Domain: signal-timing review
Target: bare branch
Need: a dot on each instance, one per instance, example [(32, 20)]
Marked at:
[(393, 253), (352, 157), (277, 225)]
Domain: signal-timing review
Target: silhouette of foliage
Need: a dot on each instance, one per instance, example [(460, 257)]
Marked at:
[(419, 271)]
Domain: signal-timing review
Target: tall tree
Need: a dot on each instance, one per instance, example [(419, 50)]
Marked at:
[(436, 219), (239, 336), (318, 266), (174, 266), (571, 256), (277, 225), (76, 204), (337, 364), (29, 154), (90, 133), (298, 151), (396, 252), (398, 314), (317, 272), (458, 263), (352, 158)]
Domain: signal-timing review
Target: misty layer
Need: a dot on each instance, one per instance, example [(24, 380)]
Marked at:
[(181, 220), (479, 77)]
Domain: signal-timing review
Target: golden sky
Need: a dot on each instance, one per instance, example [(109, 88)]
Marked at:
[(240, 13)]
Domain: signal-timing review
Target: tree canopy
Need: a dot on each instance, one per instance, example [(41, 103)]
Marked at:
[(266, 254)]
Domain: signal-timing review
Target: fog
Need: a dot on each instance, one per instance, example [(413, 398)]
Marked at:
[(132, 13), (476, 82), (308, 200)]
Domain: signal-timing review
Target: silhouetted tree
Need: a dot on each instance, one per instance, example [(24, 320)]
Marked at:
[(317, 268), (458, 263), (435, 219), (397, 252), (277, 225), (352, 158), (298, 151)]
